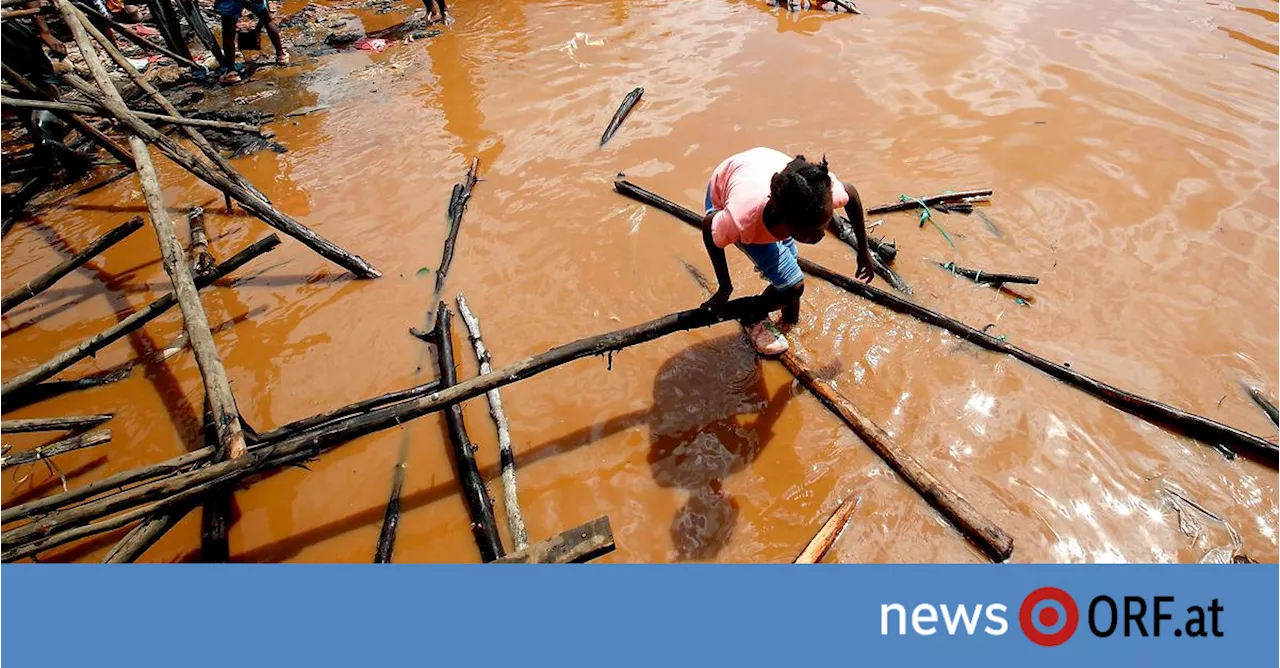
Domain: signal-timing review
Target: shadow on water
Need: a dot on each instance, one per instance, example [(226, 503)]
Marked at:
[(700, 434)]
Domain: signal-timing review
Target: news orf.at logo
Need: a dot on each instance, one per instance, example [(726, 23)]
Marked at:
[(1048, 616)]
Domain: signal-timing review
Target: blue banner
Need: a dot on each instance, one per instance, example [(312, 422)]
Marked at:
[(287, 615)]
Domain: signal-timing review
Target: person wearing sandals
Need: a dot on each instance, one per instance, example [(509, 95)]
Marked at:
[(230, 11), (764, 201)]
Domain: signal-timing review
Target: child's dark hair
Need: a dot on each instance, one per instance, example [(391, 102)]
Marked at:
[(802, 189)]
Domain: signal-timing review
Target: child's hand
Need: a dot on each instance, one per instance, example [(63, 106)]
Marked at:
[(717, 300), (866, 270)]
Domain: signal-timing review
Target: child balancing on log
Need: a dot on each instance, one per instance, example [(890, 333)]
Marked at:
[(764, 201)]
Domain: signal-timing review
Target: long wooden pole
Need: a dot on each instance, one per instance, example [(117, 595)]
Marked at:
[(198, 457), (510, 500), (143, 536), (313, 442), (826, 536), (1198, 427), (90, 110), (993, 541), (68, 423), (217, 386), (41, 283), (63, 446), (153, 310), (474, 492)]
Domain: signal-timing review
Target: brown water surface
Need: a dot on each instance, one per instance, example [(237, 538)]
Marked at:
[(1132, 147)]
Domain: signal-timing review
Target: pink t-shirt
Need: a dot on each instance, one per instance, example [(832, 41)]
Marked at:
[(740, 188)]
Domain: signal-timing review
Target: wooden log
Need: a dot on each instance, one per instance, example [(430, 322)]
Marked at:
[(41, 391), (118, 481), (1264, 403), (110, 524), (41, 283), (251, 202), (847, 6), (510, 500), (19, 13), (991, 278), (1195, 426), (879, 251), (69, 444), (313, 442), (82, 126), (203, 455), (908, 204), (216, 385), (153, 310), (143, 536), (13, 3), (474, 492), (202, 261), (628, 103), (575, 546), (984, 533), (1198, 427), (134, 37), (68, 423), (385, 549), (360, 407), (194, 135), (457, 206), (822, 541), (91, 110)]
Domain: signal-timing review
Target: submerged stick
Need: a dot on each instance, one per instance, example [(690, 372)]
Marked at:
[(1264, 403), (153, 310), (40, 284), (42, 391), (69, 423), (457, 206), (915, 203), (167, 491), (575, 546), (975, 526), (992, 278), (826, 536), (515, 521), (90, 110), (69, 444), (474, 492), (628, 103), (1198, 427)]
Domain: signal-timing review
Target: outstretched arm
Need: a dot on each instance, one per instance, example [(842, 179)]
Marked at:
[(858, 218), (718, 261)]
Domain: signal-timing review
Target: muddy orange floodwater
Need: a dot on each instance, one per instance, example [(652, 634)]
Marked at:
[(1132, 147)]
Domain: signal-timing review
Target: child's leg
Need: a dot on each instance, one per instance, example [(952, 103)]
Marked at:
[(265, 19), (776, 262), (229, 12)]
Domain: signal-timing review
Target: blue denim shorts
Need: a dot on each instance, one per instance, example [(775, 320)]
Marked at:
[(232, 9), (776, 262)]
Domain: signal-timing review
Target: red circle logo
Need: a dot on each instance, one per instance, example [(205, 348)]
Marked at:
[(1048, 616)]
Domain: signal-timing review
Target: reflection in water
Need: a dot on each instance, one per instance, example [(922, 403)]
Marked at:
[(1131, 147)]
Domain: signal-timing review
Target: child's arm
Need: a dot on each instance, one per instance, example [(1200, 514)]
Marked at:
[(720, 264), (858, 217)]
